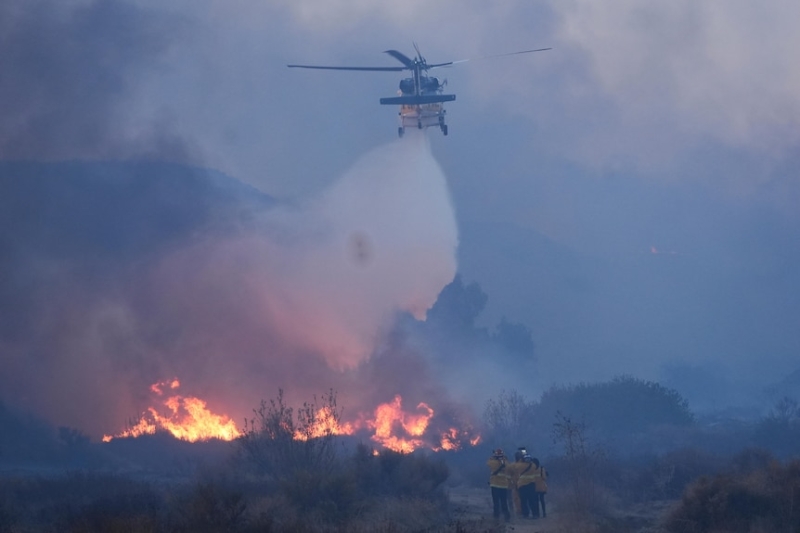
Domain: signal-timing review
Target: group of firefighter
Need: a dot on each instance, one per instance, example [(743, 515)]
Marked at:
[(523, 481)]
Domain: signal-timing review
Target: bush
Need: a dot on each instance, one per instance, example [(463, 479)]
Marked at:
[(397, 474), (625, 412), (209, 506), (580, 463), (667, 476), (623, 405), (766, 500), (80, 502), (750, 460)]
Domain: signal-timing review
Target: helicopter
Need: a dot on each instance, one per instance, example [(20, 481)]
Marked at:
[(421, 97)]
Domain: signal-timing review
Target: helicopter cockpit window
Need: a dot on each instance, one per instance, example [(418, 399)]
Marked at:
[(431, 85), (407, 86)]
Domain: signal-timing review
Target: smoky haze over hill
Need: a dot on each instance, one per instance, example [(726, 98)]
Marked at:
[(654, 280), (123, 275), (79, 243)]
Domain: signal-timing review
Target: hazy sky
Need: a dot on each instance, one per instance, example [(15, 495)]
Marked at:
[(631, 195)]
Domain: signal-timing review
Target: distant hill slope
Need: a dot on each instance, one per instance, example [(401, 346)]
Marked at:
[(113, 209), (89, 219)]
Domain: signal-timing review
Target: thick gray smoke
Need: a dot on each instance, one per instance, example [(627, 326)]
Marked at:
[(296, 298), (69, 72)]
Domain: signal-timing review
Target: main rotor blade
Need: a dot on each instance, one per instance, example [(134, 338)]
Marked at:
[(491, 57), (373, 69), (404, 59)]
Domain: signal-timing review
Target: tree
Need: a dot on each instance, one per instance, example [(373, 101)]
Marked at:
[(458, 305), (508, 418)]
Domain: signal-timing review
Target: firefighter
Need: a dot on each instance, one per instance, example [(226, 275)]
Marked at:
[(526, 476), (514, 470), (541, 486), (499, 482)]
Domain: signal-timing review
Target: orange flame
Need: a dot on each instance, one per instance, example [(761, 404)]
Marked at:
[(188, 419), (389, 416), (393, 428), (325, 423)]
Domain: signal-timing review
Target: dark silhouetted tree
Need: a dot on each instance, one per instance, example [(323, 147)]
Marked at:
[(458, 305)]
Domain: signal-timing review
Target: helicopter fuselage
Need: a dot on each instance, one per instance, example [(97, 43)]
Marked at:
[(421, 103)]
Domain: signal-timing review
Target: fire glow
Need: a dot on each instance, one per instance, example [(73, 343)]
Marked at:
[(391, 427), (395, 429), (188, 419)]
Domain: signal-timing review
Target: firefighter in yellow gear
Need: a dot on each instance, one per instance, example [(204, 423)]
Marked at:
[(514, 469), (499, 483), (525, 475)]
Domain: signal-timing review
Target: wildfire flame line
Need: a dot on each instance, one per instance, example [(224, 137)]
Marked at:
[(188, 419), (394, 429)]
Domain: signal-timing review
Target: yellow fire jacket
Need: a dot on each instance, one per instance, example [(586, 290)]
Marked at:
[(499, 473), (524, 473)]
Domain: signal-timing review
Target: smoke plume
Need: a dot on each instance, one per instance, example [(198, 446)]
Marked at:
[(238, 301)]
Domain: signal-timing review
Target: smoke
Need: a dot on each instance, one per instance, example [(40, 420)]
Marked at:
[(242, 301), (381, 240), (70, 71)]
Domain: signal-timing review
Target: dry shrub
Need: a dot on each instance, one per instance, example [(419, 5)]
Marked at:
[(767, 499), (350, 490), (402, 514), (79, 502), (209, 506), (667, 476), (750, 460), (398, 474), (114, 513), (580, 466)]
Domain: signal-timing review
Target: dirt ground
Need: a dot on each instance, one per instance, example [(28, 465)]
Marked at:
[(474, 505), (473, 508)]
